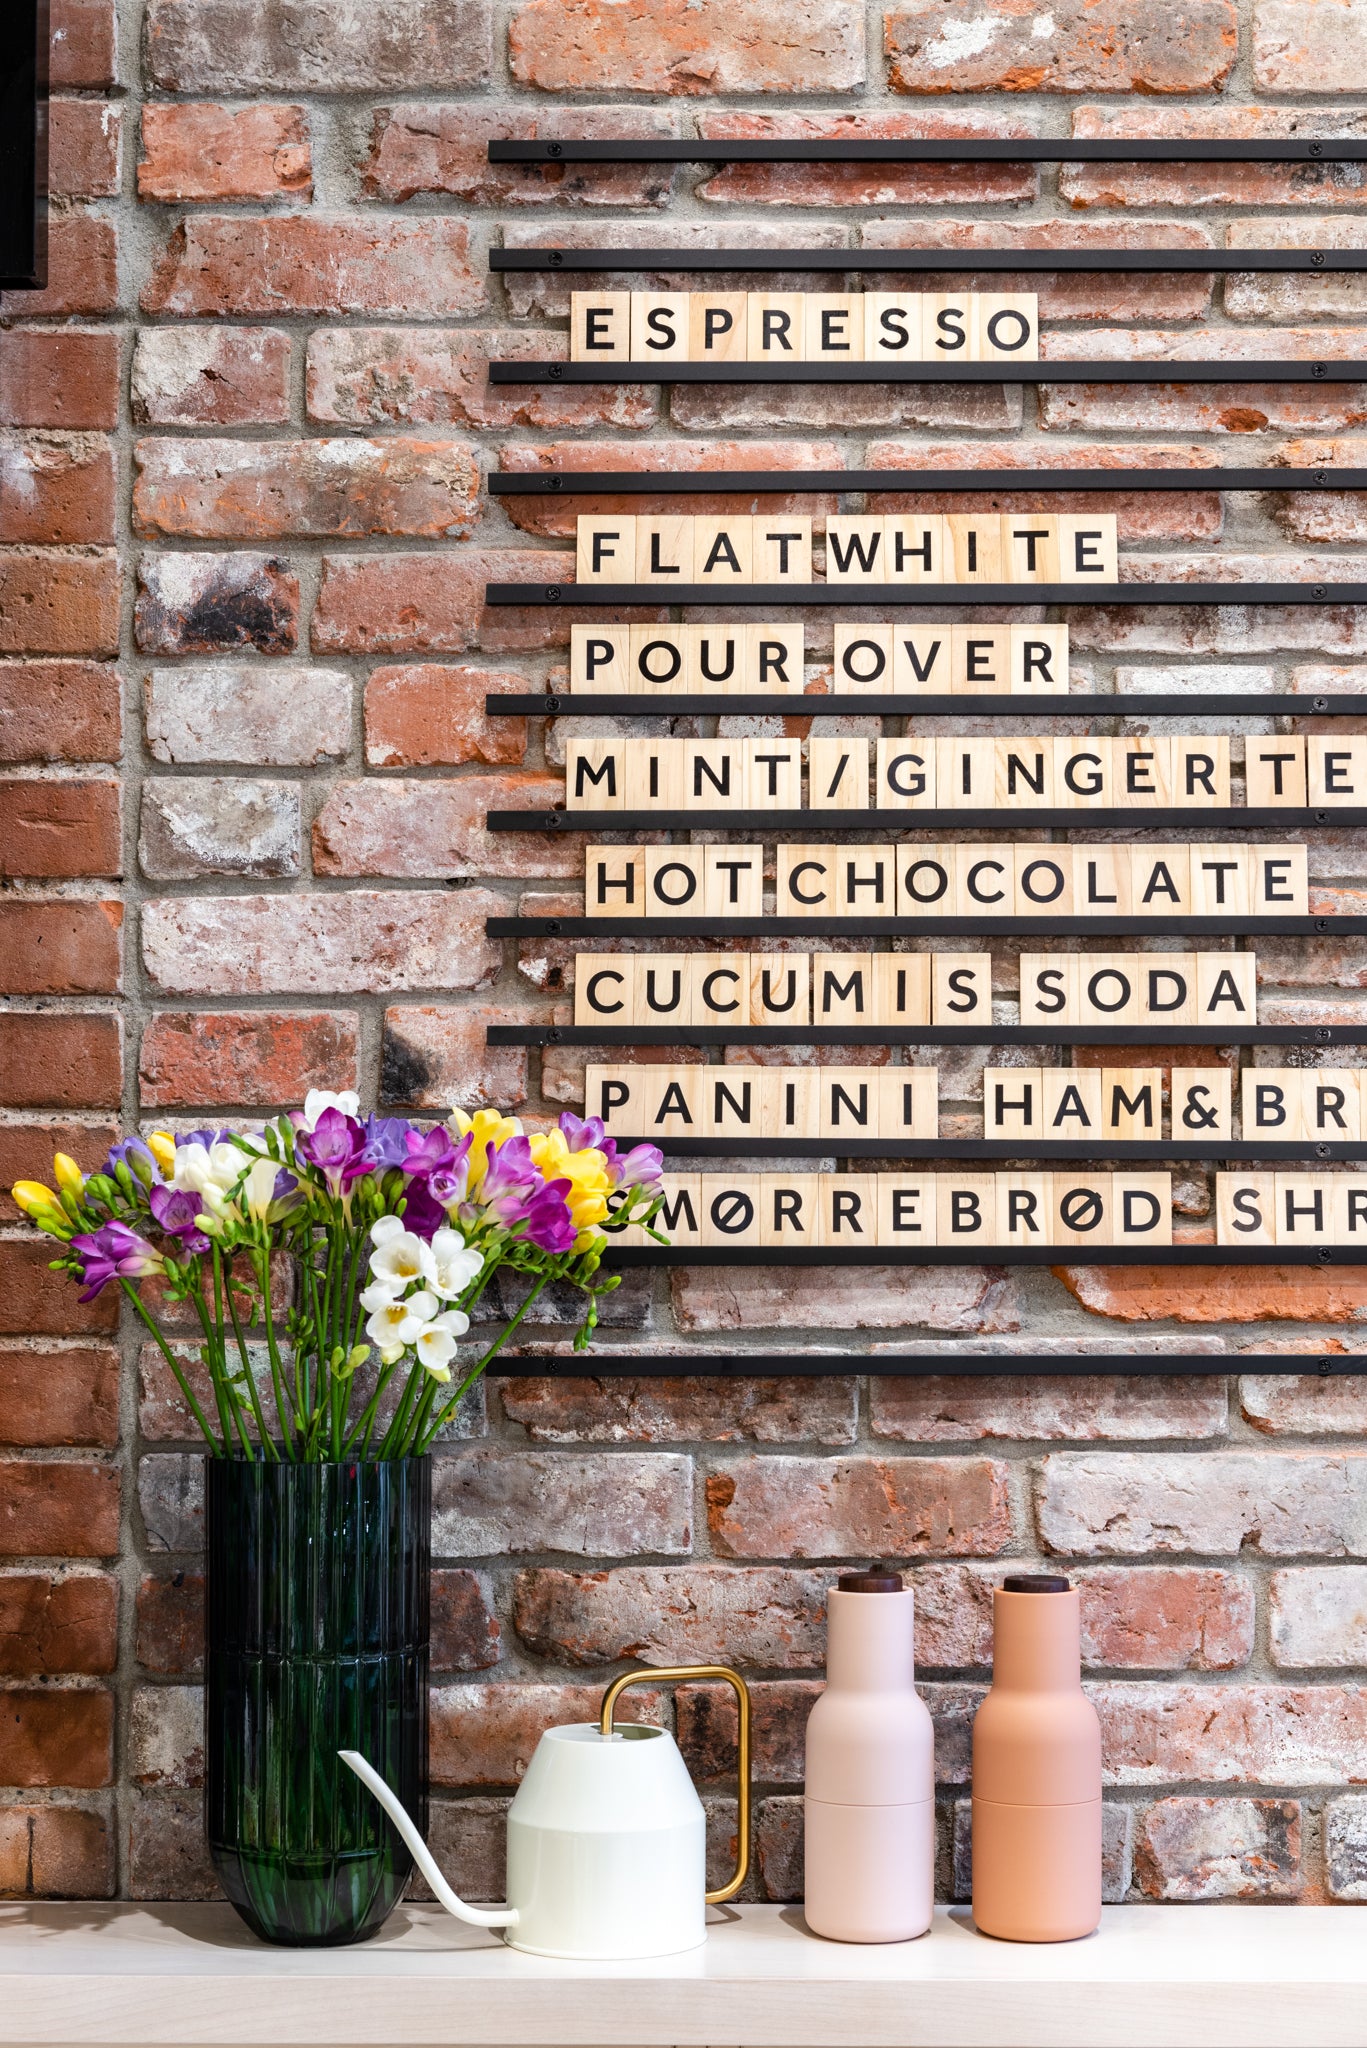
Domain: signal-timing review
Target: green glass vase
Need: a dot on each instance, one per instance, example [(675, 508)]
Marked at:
[(316, 1640)]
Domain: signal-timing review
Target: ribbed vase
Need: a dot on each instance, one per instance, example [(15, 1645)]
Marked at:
[(317, 1602)]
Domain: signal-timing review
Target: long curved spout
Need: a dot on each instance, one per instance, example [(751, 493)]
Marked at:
[(478, 1916)]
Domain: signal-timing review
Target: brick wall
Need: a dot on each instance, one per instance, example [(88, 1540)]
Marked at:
[(246, 765)]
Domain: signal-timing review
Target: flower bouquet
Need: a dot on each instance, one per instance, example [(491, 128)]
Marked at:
[(392, 1235), (358, 1249)]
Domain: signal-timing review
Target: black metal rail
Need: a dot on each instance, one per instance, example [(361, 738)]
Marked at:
[(890, 595), (852, 926), (997, 1255), (816, 822), (988, 1032), (1153, 262), (632, 483), (1104, 371), (615, 1365), (970, 149), (600, 704), (1000, 1151)]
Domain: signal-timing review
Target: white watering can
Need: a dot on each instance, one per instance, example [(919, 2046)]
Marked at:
[(606, 1837)]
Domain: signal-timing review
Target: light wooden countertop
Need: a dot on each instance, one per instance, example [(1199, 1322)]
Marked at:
[(192, 1976)]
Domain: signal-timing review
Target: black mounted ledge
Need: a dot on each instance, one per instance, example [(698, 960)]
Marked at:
[(650, 1365), (608, 1035), (633, 483), (970, 149), (990, 818), (851, 926), (1006, 1151), (1321, 1255), (900, 262), (890, 595), (1104, 370), (599, 704)]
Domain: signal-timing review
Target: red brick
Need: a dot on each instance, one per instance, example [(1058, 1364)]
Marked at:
[(438, 1059), (423, 147), (37, 1302), (485, 1734), (1008, 46), (439, 376), (1189, 184), (83, 47), (779, 1709), (209, 604), (170, 1624), (558, 517), (211, 377), (197, 150), (437, 829), (58, 1510), (82, 273), (59, 377), (228, 490), (770, 1616), (55, 1852), (1219, 1294), (774, 1411), (1132, 300), (51, 1396), (365, 941), (501, 1501), (1145, 1618), (168, 1857), (255, 716), (60, 1062), (405, 45), (58, 604), (84, 145), (26, 1153), (1317, 1617), (429, 604), (428, 717), (1274, 1503), (59, 711), (1166, 1734), (1141, 515), (1303, 46), (55, 830), (465, 1630), (1220, 1849), (190, 827), (305, 263), (1203, 409), (967, 1298), (887, 184), (257, 1058), (746, 46), (66, 948), (58, 1624), (859, 1507), (1303, 1404), (965, 1410)]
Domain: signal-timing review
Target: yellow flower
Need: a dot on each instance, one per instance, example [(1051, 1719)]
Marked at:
[(490, 1127), (590, 1185), (32, 1197), (68, 1175), (162, 1147)]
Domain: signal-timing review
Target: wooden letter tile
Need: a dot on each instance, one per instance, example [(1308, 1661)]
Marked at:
[(734, 877), (1143, 771), (866, 881), (1163, 881), (980, 660), (1348, 1208), (674, 1101), (730, 1208), (774, 774), (614, 881), (605, 988), (1302, 1208), (1141, 1208), (1131, 1103), (600, 327), (663, 991), (717, 327), (854, 549), (1244, 1208), (1108, 988), (605, 548), (863, 660), (658, 659), (965, 774), (596, 774), (847, 1102), (599, 658), (680, 1214), (925, 881), (975, 547), (892, 327), (922, 659), (612, 1094), (917, 550), (655, 775), (1082, 774), (664, 549), (1331, 1103), (1082, 1207), (1049, 989), (1039, 660), (718, 988), (843, 989), (1045, 880), (788, 1209), (1029, 547), (1279, 884), (782, 548), (674, 881), (1075, 1104), (1006, 327), (1271, 1104), (715, 657), (901, 988), (947, 327), (1274, 772), (1012, 1099), (1200, 773), (789, 1101), (1167, 984), (1336, 769), (1087, 548), (723, 552), (835, 327), (732, 1104), (714, 775), (659, 327), (1023, 778), (776, 327), (1202, 1103), (906, 1208), (905, 774), (805, 881), (965, 1208), (1023, 1209), (838, 773), (908, 1102), (961, 988), (774, 659), (848, 1209), (780, 988)]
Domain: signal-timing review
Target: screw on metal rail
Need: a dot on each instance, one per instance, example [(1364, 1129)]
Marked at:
[(555, 370), (1321, 817), (1323, 1254), (1321, 924), (555, 483), (1326, 1367), (1323, 1034), (552, 593), (554, 149), (1317, 149), (1317, 369), (553, 1036), (1319, 590), (1322, 1152), (552, 703), (552, 925), (1317, 257), (555, 257), (1320, 704), (1321, 476)]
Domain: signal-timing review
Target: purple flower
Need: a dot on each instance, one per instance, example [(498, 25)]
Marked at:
[(429, 1152), (546, 1214), (336, 1146), (175, 1210), (641, 1167), (132, 1153), (510, 1171), (582, 1134), (113, 1251), (385, 1141), (423, 1214), (204, 1138)]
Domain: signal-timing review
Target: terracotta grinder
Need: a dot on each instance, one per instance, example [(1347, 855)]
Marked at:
[(870, 1793), (1037, 1772)]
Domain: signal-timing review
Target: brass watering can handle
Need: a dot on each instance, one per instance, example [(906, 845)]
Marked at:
[(671, 1674)]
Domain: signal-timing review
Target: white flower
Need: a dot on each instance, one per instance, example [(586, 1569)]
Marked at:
[(399, 1323), (318, 1099), (378, 1296), (403, 1257), (208, 1169), (455, 1264), (435, 1348), (385, 1227), (454, 1321)]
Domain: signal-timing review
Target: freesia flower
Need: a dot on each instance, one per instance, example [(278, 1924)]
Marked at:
[(455, 1264), (318, 1101), (486, 1128), (428, 1151), (258, 1190), (397, 1323), (400, 1258), (162, 1147), (642, 1167), (422, 1212), (508, 1170), (176, 1211), (582, 1134), (335, 1146), (590, 1183), (385, 1141), (114, 1251), (41, 1206), (68, 1175), (139, 1158)]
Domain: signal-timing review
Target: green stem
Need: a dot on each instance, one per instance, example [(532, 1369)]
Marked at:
[(262, 1266), (186, 1389), (215, 1377), (267, 1446), (413, 1433), (220, 1365), (399, 1421), (425, 1443)]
